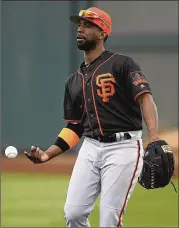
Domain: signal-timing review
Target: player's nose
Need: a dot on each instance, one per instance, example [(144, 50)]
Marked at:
[(80, 29)]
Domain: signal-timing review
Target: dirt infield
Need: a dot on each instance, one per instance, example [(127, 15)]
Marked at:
[(62, 165), (65, 162)]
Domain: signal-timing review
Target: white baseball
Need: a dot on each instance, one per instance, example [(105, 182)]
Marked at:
[(11, 152)]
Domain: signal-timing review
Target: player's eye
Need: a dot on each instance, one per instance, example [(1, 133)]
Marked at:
[(88, 24)]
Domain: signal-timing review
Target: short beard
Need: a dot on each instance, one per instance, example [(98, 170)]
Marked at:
[(88, 45)]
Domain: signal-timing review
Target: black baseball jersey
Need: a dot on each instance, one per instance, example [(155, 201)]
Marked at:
[(102, 97)]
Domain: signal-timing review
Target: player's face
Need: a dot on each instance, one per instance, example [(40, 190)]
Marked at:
[(88, 35)]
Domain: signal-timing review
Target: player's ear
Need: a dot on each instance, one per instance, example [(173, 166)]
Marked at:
[(102, 35)]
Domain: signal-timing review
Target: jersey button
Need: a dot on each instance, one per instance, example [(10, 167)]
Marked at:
[(89, 100), (92, 115), (96, 131), (87, 84)]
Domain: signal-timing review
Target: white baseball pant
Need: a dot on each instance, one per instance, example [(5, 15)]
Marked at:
[(108, 169)]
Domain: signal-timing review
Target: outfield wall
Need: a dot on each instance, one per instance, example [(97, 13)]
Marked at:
[(39, 52)]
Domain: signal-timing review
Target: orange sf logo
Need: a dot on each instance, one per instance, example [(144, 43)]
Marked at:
[(106, 83)]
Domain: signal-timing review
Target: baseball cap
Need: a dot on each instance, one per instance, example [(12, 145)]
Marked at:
[(96, 16)]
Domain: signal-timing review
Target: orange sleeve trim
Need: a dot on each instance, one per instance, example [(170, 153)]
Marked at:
[(71, 121), (144, 91), (69, 136)]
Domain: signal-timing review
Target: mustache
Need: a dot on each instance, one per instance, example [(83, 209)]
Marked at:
[(79, 36)]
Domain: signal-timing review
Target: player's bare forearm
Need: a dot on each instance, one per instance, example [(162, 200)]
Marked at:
[(53, 151), (37, 156), (150, 115)]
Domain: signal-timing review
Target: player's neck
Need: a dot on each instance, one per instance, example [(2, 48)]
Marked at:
[(93, 54)]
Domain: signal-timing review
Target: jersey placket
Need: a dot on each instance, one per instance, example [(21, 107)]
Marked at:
[(90, 103), (88, 100)]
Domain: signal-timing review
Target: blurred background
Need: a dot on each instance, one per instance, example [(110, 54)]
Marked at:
[(39, 52)]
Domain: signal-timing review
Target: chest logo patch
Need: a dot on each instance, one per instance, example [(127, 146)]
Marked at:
[(106, 84)]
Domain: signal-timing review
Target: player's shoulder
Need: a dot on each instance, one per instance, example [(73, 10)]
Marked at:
[(114, 57), (71, 77), (122, 59)]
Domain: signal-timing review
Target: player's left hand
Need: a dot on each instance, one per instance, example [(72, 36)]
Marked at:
[(158, 166), (36, 155)]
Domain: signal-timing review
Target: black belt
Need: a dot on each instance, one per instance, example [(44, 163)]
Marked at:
[(111, 138)]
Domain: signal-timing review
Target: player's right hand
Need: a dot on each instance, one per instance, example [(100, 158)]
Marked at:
[(36, 155)]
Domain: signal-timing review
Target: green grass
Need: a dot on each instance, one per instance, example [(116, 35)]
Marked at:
[(34, 200)]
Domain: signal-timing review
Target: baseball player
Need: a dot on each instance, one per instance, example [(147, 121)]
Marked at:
[(104, 101)]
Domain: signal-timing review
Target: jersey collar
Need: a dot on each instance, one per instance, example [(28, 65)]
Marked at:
[(100, 56)]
